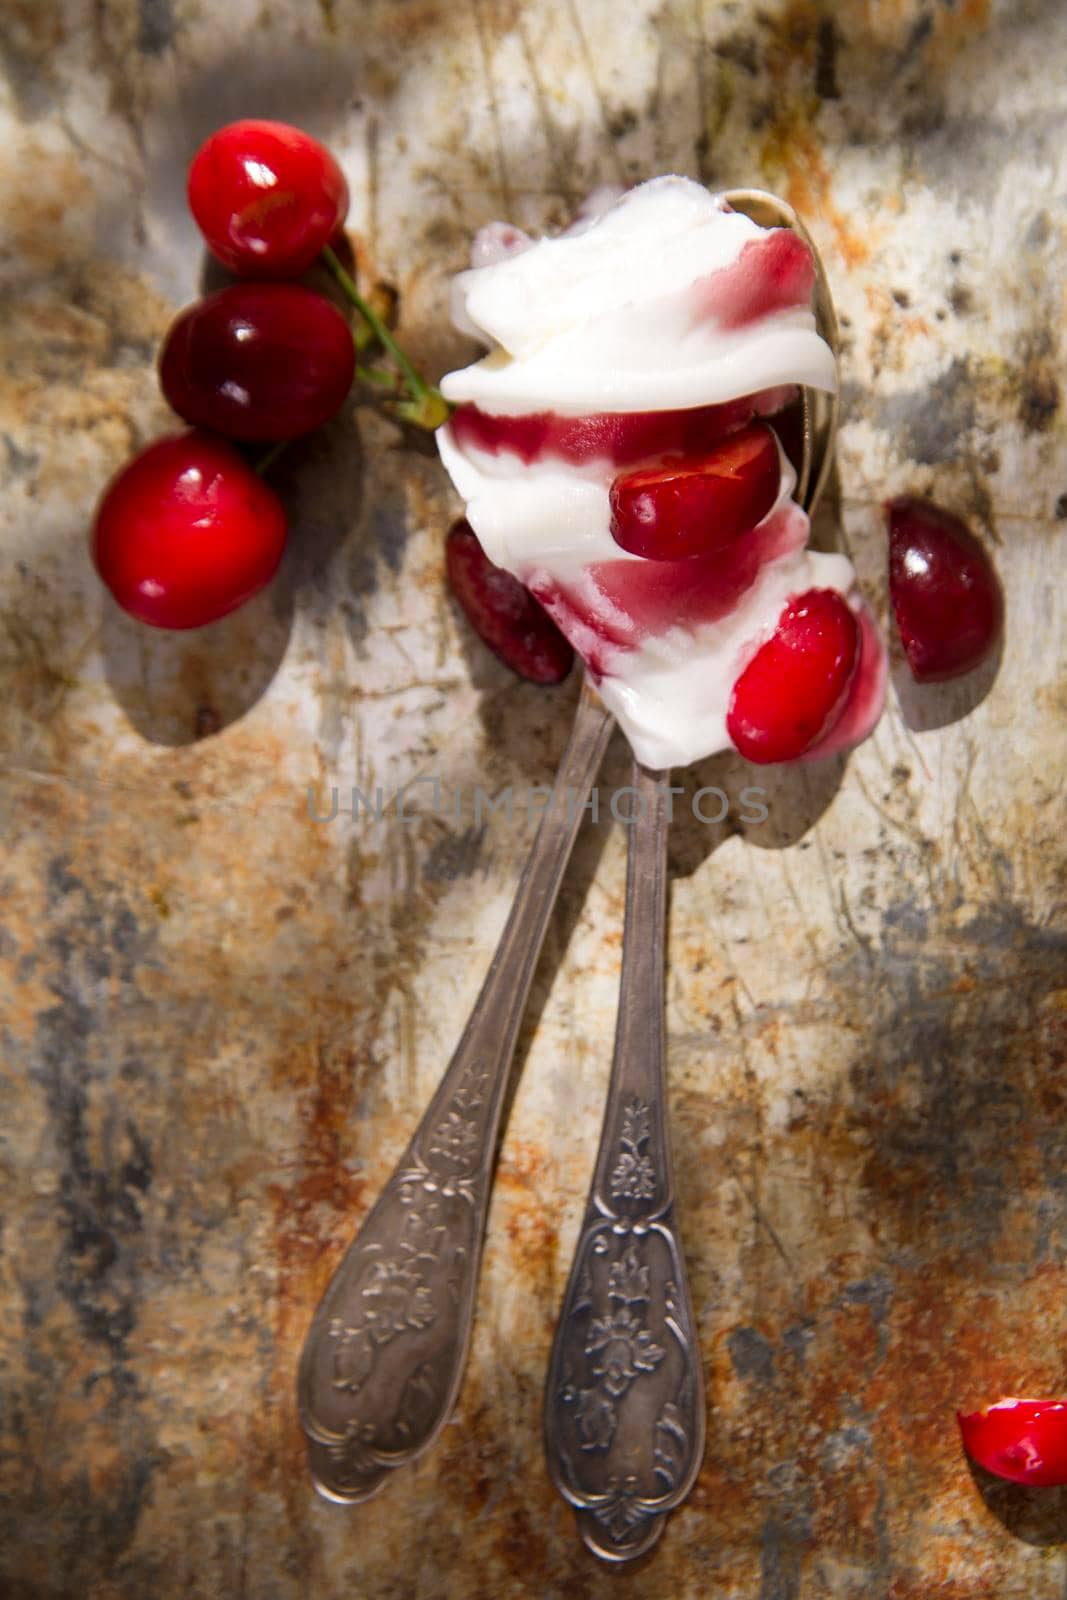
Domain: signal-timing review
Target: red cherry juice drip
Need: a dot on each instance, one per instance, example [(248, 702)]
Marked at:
[(623, 602), (619, 437), (772, 273)]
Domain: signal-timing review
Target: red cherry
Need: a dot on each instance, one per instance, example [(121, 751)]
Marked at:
[(503, 614), (266, 197), (1022, 1440), (796, 685), (187, 532), (258, 361), (946, 595), (694, 505)]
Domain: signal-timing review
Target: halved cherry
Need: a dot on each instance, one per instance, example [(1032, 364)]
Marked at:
[(796, 685), (1024, 1441), (947, 599), (694, 505), (504, 614)]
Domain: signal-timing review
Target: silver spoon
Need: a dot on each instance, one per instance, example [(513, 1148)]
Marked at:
[(384, 1357), (624, 1398)]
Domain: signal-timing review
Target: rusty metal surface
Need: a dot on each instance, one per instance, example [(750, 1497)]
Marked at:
[(221, 1018)]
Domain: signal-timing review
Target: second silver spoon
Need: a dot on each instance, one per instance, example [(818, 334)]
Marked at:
[(624, 1399)]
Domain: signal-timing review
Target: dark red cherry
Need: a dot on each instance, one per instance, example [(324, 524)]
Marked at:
[(258, 361), (946, 596), (503, 614)]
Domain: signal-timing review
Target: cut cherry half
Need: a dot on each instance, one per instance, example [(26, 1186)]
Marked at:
[(796, 686), (946, 596), (1022, 1440), (504, 614), (696, 504)]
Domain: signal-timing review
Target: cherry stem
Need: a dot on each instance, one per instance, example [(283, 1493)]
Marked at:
[(267, 460), (378, 378), (425, 399)]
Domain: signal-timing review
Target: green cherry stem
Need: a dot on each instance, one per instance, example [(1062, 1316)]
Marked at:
[(426, 407), (377, 378)]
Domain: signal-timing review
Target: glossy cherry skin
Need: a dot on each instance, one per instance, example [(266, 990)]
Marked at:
[(1022, 1440), (796, 686), (946, 596), (267, 197), (503, 614), (187, 532), (258, 361), (689, 506)]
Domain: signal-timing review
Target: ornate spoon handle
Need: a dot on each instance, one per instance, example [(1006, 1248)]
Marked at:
[(624, 1402), (383, 1360)]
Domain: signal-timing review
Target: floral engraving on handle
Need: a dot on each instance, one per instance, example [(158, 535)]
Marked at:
[(627, 1326), (618, 1347), (623, 1508), (628, 1279), (457, 1137), (470, 1091), (394, 1297), (596, 1419), (634, 1176), (624, 1349), (353, 1455)]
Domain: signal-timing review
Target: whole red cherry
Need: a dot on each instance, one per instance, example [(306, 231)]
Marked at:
[(946, 596), (267, 197), (258, 361), (187, 532)]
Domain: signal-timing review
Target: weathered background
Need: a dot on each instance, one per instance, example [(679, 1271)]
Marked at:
[(221, 1018)]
